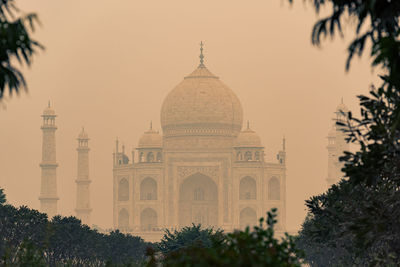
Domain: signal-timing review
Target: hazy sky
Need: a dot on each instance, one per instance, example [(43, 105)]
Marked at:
[(108, 65)]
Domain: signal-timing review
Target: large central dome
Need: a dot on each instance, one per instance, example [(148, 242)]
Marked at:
[(201, 105)]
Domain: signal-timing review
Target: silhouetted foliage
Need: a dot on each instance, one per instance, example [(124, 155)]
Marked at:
[(27, 255), (15, 44), (352, 225), (251, 247), (193, 235), (356, 221), (2, 197), (27, 238), (376, 21), (125, 249)]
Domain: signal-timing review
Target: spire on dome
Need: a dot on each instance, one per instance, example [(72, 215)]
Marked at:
[(248, 129), (151, 130), (201, 56), (284, 143)]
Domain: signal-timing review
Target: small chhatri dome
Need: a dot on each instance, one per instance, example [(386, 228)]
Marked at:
[(150, 139), (83, 134), (341, 115), (49, 111), (201, 105), (248, 138)]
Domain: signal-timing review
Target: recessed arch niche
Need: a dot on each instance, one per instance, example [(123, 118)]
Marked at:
[(247, 188), (198, 201), (274, 189), (247, 217), (148, 189), (123, 219), (148, 219), (123, 190)]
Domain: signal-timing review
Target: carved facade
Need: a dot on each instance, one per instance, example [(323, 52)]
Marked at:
[(203, 168)]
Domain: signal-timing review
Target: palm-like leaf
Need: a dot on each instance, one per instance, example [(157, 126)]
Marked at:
[(15, 44)]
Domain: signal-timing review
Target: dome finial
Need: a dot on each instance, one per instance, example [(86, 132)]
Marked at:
[(151, 125), (201, 55), (342, 99), (284, 143), (248, 124), (49, 104)]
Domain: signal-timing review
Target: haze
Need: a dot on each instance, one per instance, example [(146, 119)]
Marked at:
[(108, 65)]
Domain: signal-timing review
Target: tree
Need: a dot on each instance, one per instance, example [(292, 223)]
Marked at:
[(15, 44), (28, 238), (189, 236), (357, 219), (125, 249), (376, 21), (251, 247), (18, 225), (2, 197), (29, 255), (69, 241)]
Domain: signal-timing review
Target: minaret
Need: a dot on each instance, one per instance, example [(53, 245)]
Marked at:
[(282, 162), (48, 190), (336, 146), (282, 153), (201, 56), (83, 209)]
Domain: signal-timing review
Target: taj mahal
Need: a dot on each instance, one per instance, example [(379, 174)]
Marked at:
[(203, 167)]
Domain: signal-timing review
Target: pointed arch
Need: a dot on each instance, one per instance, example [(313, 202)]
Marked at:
[(123, 190), (148, 189), (148, 219), (274, 189), (198, 201), (247, 217), (247, 188), (123, 219), (159, 157)]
